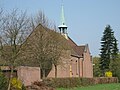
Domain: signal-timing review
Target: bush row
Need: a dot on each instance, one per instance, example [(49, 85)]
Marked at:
[(3, 82), (75, 82)]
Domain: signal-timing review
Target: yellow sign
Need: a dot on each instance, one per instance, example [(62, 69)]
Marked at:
[(108, 74)]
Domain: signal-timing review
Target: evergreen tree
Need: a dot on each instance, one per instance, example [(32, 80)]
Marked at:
[(115, 49), (114, 59), (108, 48)]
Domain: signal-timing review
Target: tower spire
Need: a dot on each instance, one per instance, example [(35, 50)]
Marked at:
[(63, 27), (62, 16)]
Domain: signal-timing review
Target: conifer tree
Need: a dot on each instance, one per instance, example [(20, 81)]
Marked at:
[(108, 49), (115, 49), (114, 59)]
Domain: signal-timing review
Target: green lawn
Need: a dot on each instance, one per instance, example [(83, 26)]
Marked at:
[(97, 87)]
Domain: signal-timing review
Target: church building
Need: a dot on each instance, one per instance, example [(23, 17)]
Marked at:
[(80, 63)]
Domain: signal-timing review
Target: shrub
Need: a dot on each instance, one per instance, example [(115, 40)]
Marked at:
[(75, 82), (39, 86), (3, 82), (23, 87), (17, 84)]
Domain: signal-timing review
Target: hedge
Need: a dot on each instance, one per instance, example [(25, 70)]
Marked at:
[(3, 82), (75, 82)]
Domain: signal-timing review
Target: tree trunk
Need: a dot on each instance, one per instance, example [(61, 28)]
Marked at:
[(43, 73), (11, 76), (55, 71)]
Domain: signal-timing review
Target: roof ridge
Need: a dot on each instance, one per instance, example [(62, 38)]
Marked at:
[(72, 41)]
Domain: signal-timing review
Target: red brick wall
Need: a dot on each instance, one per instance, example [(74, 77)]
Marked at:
[(28, 74), (84, 67), (63, 70), (87, 65)]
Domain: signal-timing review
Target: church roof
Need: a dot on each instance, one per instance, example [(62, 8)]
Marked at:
[(71, 42), (62, 22), (77, 51), (80, 50)]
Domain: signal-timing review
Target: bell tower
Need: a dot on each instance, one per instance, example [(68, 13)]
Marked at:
[(63, 27)]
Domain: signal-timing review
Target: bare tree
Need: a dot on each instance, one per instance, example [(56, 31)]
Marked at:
[(1, 33), (44, 48), (35, 50), (1, 12), (59, 49), (41, 18), (15, 28), (49, 46), (1, 20)]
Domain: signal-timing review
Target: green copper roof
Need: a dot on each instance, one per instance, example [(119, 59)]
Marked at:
[(62, 16), (63, 26)]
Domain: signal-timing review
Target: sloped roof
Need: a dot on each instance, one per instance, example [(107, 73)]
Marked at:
[(71, 42), (77, 51)]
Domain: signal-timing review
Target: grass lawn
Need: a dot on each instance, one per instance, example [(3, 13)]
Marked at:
[(97, 87)]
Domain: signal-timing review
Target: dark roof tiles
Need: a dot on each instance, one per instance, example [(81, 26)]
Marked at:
[(76, 50)]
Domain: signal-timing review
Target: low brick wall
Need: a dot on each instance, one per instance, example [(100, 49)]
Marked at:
[(102, 80), (28, 75)]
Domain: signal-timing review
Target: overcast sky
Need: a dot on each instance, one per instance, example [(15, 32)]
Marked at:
[(86, 19)]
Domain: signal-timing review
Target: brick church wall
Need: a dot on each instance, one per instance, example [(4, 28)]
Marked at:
[(28, 74)]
